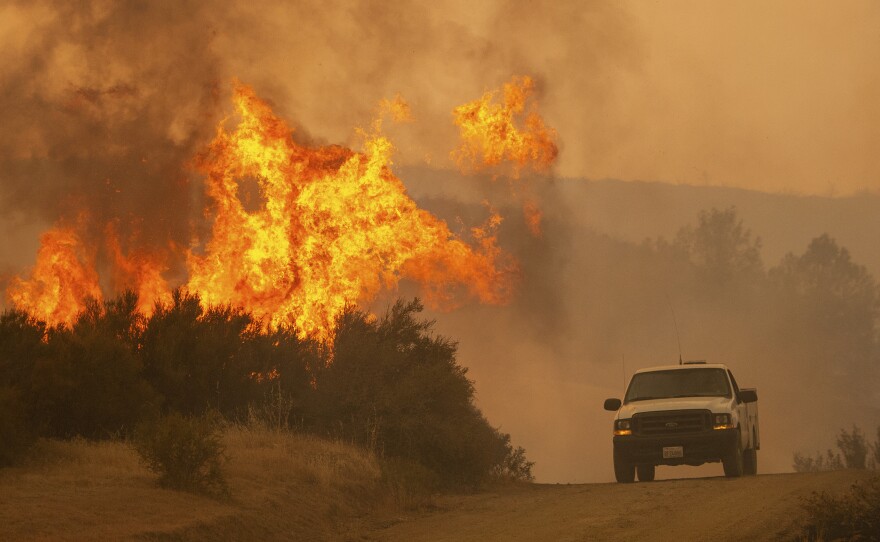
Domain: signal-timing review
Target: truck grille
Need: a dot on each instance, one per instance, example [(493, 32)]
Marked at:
[(671, 422)]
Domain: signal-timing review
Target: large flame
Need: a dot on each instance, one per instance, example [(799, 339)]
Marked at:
[(320, 228), (62, 279), (335, 227), (495, 133), (502, 134), (137, 270), (66, 276)]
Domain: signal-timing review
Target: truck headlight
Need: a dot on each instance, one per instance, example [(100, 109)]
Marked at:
[(622, 427), (721, 421)]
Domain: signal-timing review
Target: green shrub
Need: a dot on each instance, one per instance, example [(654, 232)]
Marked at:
[(16, 436), (396, 389), (875, 459), (515, 466), (88, 379), (218, 357), (186, 452), (273, 412), (854, 454), (91, 387), (853, 447), (21, 348), (853, 516), (818, 462)]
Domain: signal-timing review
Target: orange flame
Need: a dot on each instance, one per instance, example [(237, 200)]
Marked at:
[(330, 228), (490, 135), (397, 108), (265, 377), (65, 276), (139, 271), (335, 227), (533, 216), (61, 281)]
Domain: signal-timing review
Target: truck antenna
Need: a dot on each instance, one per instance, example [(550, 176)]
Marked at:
[(623, 368), (675, 323)]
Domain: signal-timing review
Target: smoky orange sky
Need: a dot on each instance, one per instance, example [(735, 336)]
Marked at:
[(774, 96)]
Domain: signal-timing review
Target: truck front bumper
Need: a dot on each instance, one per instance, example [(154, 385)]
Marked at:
[(698, 448)]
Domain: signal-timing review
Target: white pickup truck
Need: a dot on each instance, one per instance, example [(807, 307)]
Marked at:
[(686, 414)]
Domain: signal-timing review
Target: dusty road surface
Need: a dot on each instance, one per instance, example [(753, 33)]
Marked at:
[(765, 507)]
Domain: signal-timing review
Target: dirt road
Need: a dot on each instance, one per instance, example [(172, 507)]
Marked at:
[(765, 507)]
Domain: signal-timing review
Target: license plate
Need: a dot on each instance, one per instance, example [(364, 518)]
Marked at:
[(673, 451)]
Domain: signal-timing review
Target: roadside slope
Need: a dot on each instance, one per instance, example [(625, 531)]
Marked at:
[(284, 487), (765, 507)]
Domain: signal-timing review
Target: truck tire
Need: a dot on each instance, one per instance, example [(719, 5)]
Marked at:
[(646, 473), (733, 462), (624, 472), (750, 462)]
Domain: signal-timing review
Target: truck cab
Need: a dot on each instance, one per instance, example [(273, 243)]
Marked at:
[(686, 414)]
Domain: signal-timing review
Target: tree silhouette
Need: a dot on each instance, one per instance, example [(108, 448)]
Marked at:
[(397, 389), (829, 306), (90, 382), (721, 249), (853, 447), (841, 293)]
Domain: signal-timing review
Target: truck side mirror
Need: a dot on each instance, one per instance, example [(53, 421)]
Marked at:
[(748, 396), (612, 404)]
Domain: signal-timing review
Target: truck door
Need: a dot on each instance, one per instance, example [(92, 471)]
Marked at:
[(742, 409)]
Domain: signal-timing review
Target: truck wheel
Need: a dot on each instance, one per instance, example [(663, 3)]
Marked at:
[(733, 462), (750, 462), (624, 472), (646, 473)]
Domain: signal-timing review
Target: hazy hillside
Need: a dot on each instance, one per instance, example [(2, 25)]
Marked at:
[(633, 211), (785, 222)]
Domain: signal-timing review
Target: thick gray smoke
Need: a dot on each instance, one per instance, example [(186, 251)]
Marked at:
[(102, 112), (104, 105)]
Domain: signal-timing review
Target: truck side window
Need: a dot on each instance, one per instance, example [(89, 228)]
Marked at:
[(735, 387)]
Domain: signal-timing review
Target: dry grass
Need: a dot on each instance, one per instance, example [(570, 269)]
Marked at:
[(283, 486)]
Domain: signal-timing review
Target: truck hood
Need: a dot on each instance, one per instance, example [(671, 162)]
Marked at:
[(717, 405)]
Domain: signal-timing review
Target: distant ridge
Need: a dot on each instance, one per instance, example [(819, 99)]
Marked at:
[(785, 223), (635, 210)]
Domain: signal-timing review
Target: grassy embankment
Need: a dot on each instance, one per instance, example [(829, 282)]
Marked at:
[(282, 486)]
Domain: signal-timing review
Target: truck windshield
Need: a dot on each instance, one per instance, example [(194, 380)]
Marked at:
[(678, 383)]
